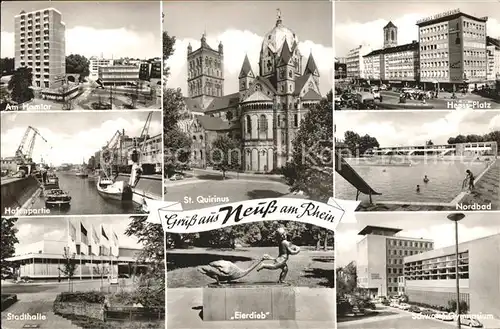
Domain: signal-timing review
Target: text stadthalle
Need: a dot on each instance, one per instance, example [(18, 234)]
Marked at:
[(26, 317)]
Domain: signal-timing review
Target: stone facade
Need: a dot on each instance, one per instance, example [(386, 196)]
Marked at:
[(265, 113)]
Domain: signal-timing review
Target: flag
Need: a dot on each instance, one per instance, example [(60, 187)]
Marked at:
[(104, 233), (115, 238), (95, 236), (72, 232), (83, 237)]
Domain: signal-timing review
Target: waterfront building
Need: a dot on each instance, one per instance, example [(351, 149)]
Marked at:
[(355, 63), (453, 50), (40, 45), (95, 63), (94, 248), (493, 52), (458, 149), (118, 75), (430, 277), (152, 150), (380, 256), (266, 112)]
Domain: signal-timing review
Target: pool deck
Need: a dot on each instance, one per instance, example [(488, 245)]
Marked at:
[(487, 190)]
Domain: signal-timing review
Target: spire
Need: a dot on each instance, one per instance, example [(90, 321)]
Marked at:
[(286, 54), (278, 17), (311, 67), (246, 68), (203, 39)]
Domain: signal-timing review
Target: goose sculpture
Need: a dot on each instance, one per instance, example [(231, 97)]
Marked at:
[(226, 271)]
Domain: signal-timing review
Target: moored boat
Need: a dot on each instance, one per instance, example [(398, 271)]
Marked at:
[(115, 190), (57, 197), (82, 174)]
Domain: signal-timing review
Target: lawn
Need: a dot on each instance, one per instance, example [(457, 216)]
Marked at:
[(309, 268)]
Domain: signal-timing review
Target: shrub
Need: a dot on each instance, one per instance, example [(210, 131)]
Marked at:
[(82, 297)]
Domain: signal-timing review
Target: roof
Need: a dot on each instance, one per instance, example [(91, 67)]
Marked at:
[(268, 83), (397, 49), (453, 15), (311, 66), (224, 102), (311, 95), (492, 42), (369, 229), (285, 54), (258, 96), (212, 123), (245, 68), (300, 82), (389, 25), (192, 105)]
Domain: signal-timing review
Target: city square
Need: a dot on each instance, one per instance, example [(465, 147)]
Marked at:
[(447, 59), (48, 63)]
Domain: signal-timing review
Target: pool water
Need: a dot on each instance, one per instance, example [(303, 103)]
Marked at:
[(399, 183)]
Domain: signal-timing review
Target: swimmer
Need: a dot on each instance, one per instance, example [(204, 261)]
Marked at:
[(426, 180), (418, 188)]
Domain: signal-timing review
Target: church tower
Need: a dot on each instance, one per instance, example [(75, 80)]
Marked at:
[(246, 77), (390, 35), (311, 68), (205, 73)]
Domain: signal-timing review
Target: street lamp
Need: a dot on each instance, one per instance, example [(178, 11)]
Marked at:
[(456, 217)]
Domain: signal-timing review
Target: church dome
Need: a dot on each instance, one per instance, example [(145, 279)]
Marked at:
[(275, 38)]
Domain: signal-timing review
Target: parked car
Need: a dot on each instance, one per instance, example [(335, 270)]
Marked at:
[(176, 177), (404, 307), (447, 316), (414, 309), (394, 304), (467, 320), (386, 302), (383, 87), (429, 313)]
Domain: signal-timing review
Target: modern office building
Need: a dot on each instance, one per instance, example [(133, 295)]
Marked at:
[(430, 277), (118, 75), (453, 50), (355, 63), (458, 149), (94, 248), (40, 45), (493, 52), (94, 65), (380, 256)]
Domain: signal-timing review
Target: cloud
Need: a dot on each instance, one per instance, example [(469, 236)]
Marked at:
[(349, 35), (73, 148), (88, 41), (404, 129), (352, 34), (237, 44), (7, 44)]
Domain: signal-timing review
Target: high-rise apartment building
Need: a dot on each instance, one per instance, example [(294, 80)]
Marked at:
[(40, 45), (355, 63), (380, 256), (453, 49)]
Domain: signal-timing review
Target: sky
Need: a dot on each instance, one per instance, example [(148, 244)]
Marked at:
[(415, 128), (241, 27), (55, 228), (79, 138), (427, 225), (361, 22), (107, 28)]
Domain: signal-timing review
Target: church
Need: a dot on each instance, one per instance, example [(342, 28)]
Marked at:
[(264, 114)]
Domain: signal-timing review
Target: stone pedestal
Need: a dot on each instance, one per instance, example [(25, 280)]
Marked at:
[(248, 301)]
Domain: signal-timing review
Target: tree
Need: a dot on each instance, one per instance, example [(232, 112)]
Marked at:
[(358, 145), (69, 266), (177, 150), (429, 143), (7, 242), (173, 106), (225, 154), (311, 168), (347, 279), (452, 306), (20, 85), (6, 66), (229, 115), (78, 64), (67, 100), (168, 50), (151, 289)]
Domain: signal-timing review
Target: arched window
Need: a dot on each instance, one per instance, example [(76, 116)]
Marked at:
[(263, 123), (278, 123), (201, 154), (194, 138), (201, 137), (249, 124), (295, 120), (393, 35)]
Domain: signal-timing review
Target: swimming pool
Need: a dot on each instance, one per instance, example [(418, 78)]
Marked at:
[(397, 181)]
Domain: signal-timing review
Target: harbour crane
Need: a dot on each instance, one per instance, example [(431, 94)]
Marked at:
[(140, 145), (108, 153), (23, 156)]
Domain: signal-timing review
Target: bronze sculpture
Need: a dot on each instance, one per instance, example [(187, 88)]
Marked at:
[(223, 270), (286, 248)]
